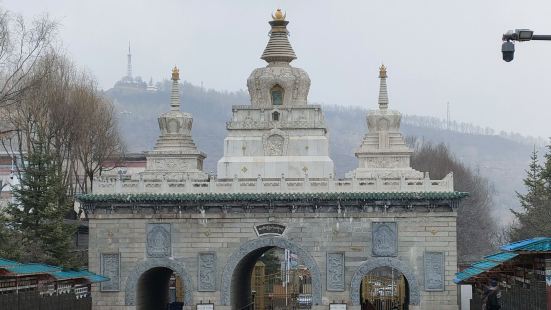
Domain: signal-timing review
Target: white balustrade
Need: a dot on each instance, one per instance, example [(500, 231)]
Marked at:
[(281, 185)]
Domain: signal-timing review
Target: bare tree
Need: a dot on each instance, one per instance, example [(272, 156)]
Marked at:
[(44, 111), (71, 116), (22, 45), (98, 137), (476, 228)]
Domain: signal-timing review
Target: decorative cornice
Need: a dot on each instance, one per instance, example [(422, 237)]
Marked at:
[(271, 197)]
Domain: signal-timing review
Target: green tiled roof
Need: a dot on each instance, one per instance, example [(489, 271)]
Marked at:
[(217, 197)]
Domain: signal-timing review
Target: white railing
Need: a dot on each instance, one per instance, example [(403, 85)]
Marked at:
[(283, 185)]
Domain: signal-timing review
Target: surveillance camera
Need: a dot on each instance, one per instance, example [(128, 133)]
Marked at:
[(508, 50)]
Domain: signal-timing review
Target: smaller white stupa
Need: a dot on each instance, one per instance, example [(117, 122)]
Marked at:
[(175, 155), (383, 152)]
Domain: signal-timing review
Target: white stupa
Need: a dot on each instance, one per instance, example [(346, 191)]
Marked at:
[(175, 155), (279, 133), (383, 152)]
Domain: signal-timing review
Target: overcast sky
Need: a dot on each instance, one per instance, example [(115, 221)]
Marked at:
[(436, 51)]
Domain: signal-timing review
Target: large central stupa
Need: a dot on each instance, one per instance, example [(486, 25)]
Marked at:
[(279, 134)]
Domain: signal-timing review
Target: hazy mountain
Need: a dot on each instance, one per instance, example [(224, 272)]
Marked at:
[(501, 158)]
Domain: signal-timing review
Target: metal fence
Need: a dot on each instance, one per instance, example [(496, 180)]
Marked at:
[(32, 300), (286, 290), (529, 295)]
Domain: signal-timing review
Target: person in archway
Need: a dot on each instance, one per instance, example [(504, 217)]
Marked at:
[(492, 296)]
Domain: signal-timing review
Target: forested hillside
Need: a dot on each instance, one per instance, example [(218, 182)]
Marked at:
[(501, 158)]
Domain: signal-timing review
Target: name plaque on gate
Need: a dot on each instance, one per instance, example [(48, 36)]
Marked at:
[(337, 306), (270, 229), (205, 306)]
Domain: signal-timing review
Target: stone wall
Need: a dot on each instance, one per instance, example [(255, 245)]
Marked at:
[(325, 237)]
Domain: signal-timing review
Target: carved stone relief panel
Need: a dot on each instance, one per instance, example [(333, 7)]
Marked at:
[(170, 164), (387, 162), (206, 273), (335, 271), (110, 267), (384, 239), (434, 271), (158, 240), (275, 143)]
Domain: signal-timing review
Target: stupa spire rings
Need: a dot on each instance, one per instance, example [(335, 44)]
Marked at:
[(383, 93), (175, 74), (278, 49), (175, 93)]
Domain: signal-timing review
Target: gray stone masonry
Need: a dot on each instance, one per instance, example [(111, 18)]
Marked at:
[(231, 235)]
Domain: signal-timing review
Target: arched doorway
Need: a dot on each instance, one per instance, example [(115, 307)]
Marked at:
[(237, 277), (157, 282), (380, 267), (384, 288), (159, 288)]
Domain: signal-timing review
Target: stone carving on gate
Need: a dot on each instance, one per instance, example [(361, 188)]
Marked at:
[(433, 264), (206, 273), (158, 240), (110, 267), (384, 239), (335, 271)]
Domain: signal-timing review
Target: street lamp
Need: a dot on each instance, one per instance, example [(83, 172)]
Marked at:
[(520, 35)]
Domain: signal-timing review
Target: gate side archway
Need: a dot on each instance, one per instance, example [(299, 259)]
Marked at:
[(267, 242), (373, 263), (176, 266)]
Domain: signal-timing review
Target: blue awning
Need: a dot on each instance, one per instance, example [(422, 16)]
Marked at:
[(16, 269), (539, 244)]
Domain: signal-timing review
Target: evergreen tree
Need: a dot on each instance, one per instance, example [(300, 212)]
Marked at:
[(534, 183), (533, 218), (40, 209), (546, 173)]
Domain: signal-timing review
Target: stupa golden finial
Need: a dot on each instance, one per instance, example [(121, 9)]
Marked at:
[(278, 15), (175, 74), (382, 72)]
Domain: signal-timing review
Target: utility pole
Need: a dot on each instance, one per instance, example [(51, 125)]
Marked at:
[(448, 116)]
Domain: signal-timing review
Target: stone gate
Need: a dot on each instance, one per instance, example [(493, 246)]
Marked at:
[(275, 187)]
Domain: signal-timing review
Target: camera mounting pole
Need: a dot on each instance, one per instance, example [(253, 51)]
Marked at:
[(520, 35)]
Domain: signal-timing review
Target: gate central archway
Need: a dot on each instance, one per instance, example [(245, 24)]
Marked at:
[(236, 286)]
